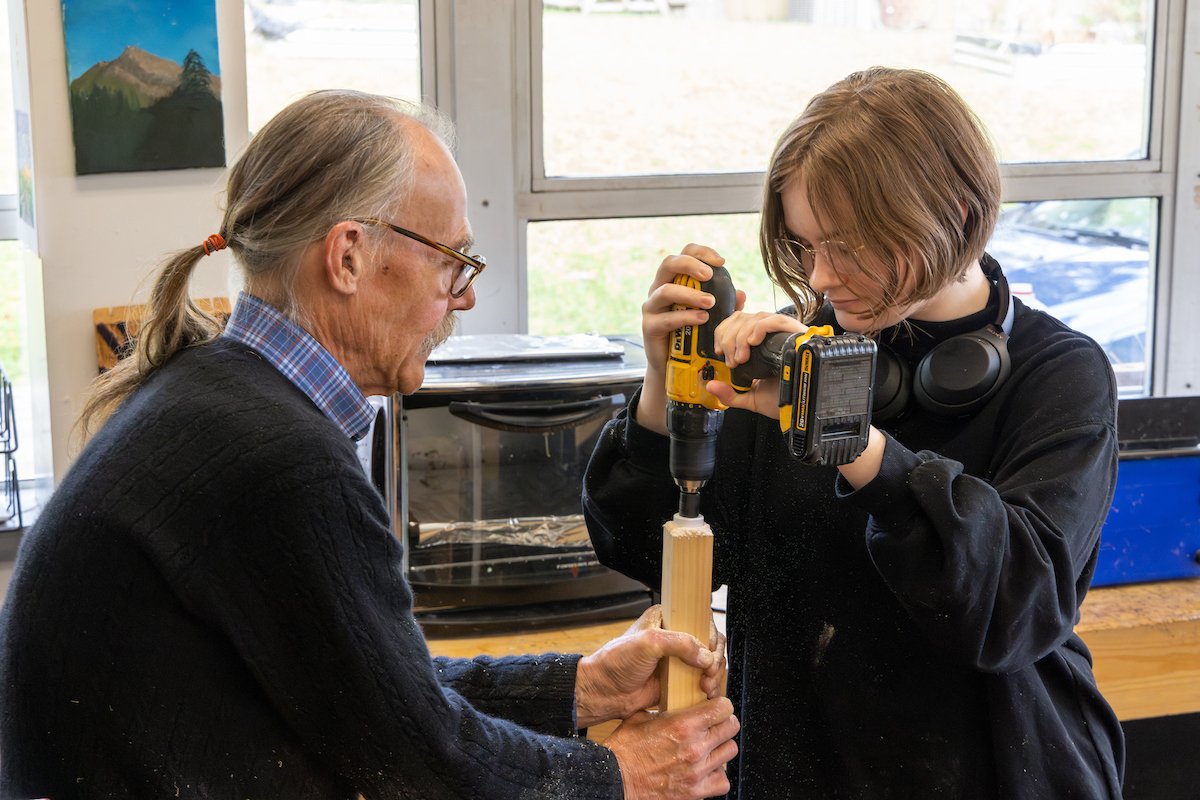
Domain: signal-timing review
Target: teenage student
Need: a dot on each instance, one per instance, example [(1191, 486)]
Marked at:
[(900, 626)]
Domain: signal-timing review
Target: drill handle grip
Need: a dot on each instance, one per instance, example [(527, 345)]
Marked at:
[(764, 361), (765, 358), (721, 287)]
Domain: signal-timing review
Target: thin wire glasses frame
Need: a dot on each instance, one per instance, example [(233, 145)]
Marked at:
[(836, 252), (470, 266)]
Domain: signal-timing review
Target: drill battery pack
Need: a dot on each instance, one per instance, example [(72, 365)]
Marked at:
[(825, 395)]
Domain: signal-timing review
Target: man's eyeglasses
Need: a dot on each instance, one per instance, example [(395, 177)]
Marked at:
[(840, 255), (469, 266)]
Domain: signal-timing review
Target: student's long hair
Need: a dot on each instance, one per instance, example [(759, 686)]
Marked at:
[(891, 159), (330, 156)]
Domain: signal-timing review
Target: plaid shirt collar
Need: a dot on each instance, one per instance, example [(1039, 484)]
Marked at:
[(303, 361)]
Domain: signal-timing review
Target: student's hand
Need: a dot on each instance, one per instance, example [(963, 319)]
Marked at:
[(734, 339), (862, 470), (621, 677), (680, 754), (659, 320)]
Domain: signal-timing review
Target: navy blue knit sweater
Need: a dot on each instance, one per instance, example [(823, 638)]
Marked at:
[(212, 605)]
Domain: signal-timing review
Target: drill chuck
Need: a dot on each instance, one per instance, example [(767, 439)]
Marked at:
[(693, 430)]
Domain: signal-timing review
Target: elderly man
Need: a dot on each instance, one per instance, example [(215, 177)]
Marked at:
[(211, 604)]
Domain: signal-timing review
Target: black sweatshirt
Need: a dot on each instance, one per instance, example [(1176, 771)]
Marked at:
[(212, 606), (913, 639)]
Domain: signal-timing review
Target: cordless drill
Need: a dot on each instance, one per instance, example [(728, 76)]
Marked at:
[(825, 391)]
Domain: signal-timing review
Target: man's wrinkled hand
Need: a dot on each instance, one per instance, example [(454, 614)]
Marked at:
[(679, 755), (621, 677)]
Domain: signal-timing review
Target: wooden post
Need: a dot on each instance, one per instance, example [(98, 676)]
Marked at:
[(686, 603)]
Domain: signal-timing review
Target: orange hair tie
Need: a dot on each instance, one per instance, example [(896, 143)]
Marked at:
[(216, 242)]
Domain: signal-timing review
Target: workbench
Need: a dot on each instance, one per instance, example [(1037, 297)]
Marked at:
[(1144, 638)]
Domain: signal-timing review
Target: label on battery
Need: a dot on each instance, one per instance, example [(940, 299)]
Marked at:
[(845, 384), (805, 387)]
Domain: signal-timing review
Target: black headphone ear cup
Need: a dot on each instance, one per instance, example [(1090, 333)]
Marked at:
[(893, 386), (962, 373)]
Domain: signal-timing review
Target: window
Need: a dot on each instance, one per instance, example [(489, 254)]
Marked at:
[(297, 46), (648, 126), (708, 87), (603, 265), (1087, 262)]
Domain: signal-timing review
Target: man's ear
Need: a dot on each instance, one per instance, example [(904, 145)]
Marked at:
[(344, 257)]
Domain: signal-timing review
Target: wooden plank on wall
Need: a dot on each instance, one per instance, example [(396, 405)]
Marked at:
[(116, 327)]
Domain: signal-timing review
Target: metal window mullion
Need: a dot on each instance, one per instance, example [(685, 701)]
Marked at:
[(1162, 257), (1083, 186), (606, 203), (435, 22), (1177, 352), (600, 203), (707, 181), (536, 161), (695, 180), (529, 159)]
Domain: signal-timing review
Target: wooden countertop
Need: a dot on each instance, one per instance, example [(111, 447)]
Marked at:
[(1144, 638), (1145, 643)]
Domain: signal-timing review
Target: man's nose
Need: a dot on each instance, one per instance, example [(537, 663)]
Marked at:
[(464, 303)]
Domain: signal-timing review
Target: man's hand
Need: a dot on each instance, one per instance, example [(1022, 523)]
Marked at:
[(622, 676), (681, 754)]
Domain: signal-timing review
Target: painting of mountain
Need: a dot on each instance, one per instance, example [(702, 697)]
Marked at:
[(155, 102)]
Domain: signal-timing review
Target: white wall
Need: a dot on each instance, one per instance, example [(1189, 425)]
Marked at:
[(100, 236)]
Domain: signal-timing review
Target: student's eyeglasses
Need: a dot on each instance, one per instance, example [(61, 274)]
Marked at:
[(838, 254), (469, 266)]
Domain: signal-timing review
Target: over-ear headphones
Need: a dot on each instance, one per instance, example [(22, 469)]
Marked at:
[(958, 375)]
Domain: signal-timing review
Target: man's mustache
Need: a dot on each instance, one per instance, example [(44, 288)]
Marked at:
[(440, 334)]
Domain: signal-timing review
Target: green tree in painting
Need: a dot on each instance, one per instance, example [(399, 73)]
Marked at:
[(186, 127), (195, 78), (107, 127)]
